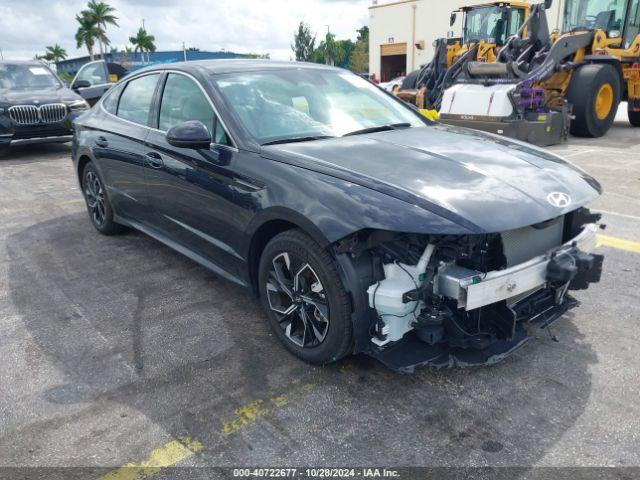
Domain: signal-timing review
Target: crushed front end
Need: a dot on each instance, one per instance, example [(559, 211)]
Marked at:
[(447, 301)]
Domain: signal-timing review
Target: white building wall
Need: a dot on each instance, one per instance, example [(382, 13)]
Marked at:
[(393, 23)]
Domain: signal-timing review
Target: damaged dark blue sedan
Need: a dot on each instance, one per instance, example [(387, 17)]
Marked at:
[(361, 225)]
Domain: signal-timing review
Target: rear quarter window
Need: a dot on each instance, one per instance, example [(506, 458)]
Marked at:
[(110, 102)]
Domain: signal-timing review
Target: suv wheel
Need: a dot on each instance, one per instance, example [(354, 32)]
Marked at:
[(304, 299)]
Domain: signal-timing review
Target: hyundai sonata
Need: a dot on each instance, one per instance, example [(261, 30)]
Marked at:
[(361, 225)]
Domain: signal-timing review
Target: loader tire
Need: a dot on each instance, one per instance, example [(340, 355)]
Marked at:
[(411, 80), (634, 117), (594, 92)]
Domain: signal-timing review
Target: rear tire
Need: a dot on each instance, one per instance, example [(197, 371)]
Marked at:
[(97, 201), (594, 92), (303, 297), (634, 117)]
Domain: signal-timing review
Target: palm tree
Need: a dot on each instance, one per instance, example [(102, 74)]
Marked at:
[(143, 42), (102, 15), (87, 32), (55, 54)]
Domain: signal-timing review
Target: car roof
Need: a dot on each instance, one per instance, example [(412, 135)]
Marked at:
[(22, 62), (235, 65)]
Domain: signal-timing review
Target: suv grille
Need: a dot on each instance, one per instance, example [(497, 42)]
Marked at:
[(33, 115)]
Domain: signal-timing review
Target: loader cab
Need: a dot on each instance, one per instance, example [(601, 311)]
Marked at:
[(492, 23), (617, 18)]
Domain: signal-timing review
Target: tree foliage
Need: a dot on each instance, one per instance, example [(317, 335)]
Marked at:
[(54, 54), (303, 43), (341, 53), (143, 42), (93, 23)]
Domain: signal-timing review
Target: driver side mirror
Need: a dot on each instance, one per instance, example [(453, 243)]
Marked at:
[(80, 84), (190, 134), (547, 4), (452, 18)]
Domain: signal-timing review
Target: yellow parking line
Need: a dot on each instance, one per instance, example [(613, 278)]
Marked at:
[(165, 456), (252, 411), (619, 243)]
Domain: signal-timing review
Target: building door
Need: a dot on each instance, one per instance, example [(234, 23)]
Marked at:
[(393, 61)]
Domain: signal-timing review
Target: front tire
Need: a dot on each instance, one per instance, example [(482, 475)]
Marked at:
[(594, 92), (304, 299), (97, 201)]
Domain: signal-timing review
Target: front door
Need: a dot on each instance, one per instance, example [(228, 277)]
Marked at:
[(191, 190), (97, 77)]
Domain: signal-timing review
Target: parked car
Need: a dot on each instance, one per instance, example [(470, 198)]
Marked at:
[(392, 84), (361, 225), (35, 106), (95, 78)]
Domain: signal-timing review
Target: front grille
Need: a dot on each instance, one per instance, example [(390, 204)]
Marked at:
[(34, 115)]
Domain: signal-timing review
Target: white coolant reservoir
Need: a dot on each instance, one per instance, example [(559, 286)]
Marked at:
[(386, 297), (478, 100)]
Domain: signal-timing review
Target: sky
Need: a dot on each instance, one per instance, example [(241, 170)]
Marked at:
[(258, 26)]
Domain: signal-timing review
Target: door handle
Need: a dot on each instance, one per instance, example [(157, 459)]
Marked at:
[(154, 160), (102, 142)]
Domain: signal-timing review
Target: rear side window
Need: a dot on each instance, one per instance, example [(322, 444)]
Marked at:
[(110, 103), (135, 101)]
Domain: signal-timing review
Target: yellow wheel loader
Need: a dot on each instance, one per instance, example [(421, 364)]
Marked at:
[(485, 28), (544, 85)]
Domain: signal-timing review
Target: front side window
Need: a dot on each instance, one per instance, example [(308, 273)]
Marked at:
[(516, 19), (135, 101), (26, 77), (486, 24), (633, 28), (183, 100), (607, 15), (288, 103), (93, 73)]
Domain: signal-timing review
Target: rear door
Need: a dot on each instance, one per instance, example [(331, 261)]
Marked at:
[(119, 146), (191, 190)]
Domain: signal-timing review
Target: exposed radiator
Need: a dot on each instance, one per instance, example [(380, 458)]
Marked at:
[(42, 114), (525, 243)]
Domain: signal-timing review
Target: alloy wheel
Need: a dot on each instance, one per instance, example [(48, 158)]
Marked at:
[(94, 194), (298, 299)]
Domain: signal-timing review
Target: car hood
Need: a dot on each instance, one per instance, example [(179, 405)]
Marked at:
[(37, 97), (479, 181)]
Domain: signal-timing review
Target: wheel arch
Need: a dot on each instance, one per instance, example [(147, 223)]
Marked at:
[(83, 160), (615, 63), (272, 223)]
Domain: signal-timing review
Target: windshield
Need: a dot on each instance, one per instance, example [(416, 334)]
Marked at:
[(26, 77), (302, 103), (607, 15), (493, 24)]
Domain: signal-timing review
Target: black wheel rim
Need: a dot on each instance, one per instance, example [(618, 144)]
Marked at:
[(298, 299), (94, 194)]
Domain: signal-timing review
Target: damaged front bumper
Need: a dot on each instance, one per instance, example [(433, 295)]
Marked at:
[(533, 292)]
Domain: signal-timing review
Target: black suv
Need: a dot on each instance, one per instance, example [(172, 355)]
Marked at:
[(35, 106)]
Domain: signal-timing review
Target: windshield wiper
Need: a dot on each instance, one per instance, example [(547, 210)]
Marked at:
[(309, 138), (380, 128)]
